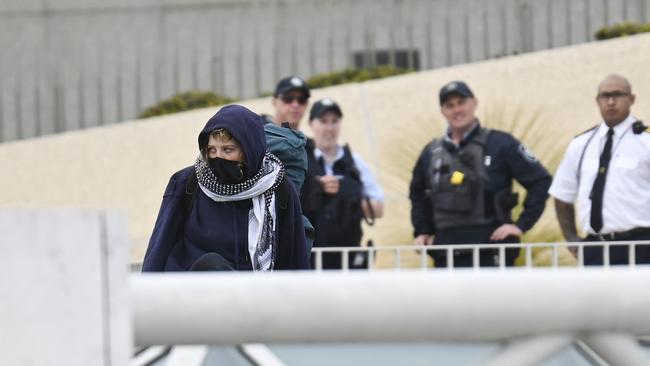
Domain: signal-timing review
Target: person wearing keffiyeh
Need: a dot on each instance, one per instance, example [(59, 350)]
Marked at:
[(235, 214)]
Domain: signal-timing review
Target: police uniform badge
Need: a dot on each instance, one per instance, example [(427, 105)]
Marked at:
[(527, 153)]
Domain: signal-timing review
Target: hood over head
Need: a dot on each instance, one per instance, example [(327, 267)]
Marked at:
[(247, 129)]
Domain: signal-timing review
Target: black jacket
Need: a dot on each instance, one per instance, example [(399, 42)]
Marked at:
[(508, 159), (179, 238)]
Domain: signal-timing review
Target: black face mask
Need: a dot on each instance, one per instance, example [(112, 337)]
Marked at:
[(227, 171)]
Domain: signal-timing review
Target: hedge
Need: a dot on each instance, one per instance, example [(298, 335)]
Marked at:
[(354, 76), (184, 102), (622, 30)]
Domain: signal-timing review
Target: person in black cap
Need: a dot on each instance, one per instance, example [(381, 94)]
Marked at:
[(339, 189), (290, 101), (461, 190), (284, 139)]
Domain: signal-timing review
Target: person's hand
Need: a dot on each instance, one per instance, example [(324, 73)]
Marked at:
[(423, 239), (505, 231), (330, 184)]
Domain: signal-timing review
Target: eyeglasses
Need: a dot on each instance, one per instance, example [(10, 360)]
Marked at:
[(288, 99), (616, 95)]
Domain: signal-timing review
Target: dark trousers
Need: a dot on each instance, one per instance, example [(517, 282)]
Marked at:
[(472, 235), (618, 255)]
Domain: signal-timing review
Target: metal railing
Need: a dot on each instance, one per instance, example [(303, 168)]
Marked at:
[(575, 249)]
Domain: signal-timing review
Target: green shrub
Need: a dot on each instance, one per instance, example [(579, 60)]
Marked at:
[(184, 102), (621, 30), (354, 76)]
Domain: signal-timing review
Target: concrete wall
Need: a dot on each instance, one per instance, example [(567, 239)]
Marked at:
[(542, 98), (71, 64), (63, 283)]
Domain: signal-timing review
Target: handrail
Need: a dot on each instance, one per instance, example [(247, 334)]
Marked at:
[(405, 306)]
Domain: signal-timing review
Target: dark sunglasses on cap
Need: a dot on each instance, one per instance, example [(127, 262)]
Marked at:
[(288, 99)]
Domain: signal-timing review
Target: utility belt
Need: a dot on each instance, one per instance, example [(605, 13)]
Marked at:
[(622, 235)]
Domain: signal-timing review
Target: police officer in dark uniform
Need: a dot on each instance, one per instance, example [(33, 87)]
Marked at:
[(339, 190), (461, 190)]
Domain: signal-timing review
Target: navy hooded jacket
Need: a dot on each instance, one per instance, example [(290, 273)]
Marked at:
[(222, 227)]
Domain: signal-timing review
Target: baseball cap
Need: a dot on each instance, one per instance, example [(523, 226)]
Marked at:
[(291, 83), (455, 87), (323, 106)]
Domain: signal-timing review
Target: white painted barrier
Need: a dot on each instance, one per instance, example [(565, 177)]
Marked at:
[(63, 288)]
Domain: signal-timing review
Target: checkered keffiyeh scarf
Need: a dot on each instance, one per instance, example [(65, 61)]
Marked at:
[(262, 216)]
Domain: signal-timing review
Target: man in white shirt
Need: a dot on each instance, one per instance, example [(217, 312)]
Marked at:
[(606, 171)]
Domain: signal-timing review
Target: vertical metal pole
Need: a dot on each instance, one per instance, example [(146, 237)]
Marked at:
[(606, 254), (632, 254), (555, 257), (398, 258), (581, 255), (502, 256), (475, 257), (529, 256), (423, 257), (371, 258), (450, 258), (319, 260), (345, 259)]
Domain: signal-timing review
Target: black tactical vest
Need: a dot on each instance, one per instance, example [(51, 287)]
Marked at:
[(336, 218), (457, 179)]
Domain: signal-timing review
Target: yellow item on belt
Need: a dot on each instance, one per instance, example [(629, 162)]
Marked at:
[(457, 178)]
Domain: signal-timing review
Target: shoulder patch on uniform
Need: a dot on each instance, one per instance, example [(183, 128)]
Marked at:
[(583, 132), (638, 127), (527, 153)]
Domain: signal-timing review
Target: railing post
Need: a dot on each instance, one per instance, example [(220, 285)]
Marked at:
[(398, 259), (555, 258), (319, 260), (581, 255), (371, 258), (423, 257), (502, 256), (345, 259), (450, 258)]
